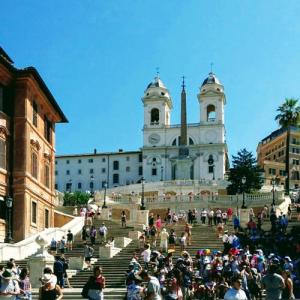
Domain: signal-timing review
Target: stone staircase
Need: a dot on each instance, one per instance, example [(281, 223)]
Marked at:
[(114, 269)]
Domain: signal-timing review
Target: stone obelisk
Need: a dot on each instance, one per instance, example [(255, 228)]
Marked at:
[(183, 150)]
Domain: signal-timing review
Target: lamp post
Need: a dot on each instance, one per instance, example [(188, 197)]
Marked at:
[(9, 203), (244, 179), (104, 202), (142, 202), (273, 183)]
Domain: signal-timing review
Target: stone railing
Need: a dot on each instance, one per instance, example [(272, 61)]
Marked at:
[(28, 246), (207, 200)]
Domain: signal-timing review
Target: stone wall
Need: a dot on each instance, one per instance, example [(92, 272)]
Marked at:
[(61, 219), (2, 230)]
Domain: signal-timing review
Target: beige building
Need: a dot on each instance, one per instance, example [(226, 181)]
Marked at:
[(28, 113), (271, 153)]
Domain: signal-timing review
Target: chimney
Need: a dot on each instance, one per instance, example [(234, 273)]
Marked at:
[(95, 151)]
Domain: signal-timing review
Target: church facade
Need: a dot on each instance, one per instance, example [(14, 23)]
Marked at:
[(169, 152)]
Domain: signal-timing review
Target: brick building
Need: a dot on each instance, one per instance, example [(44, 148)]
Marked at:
[(271, 153), (28, 114)]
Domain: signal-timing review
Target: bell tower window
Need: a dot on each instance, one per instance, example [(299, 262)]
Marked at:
[(154, 116), (211, 113)]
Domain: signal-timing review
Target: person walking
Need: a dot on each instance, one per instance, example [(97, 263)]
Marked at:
[(84, 233), (70, 238), (103, 233), (123, 219), (93, 234), (88, 254), (62, 245), (188, 232), (288, 291), (146, 255), (93, 289), (58, 270), (164, 237), (153, 286), (210, 217), (203, 215)]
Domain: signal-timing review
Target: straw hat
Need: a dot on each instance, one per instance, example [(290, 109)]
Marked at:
[(46, 278)]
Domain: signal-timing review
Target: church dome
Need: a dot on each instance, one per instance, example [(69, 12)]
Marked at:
[(211, 79), (156, 88)]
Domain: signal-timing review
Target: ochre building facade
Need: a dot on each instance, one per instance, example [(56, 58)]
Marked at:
[(28, 114)]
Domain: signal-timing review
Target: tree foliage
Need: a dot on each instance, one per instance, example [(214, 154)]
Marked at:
[(244, 164), (76, 198), (288, 113)]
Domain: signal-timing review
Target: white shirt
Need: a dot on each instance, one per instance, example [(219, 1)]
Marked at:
[(225, 238), (203, 213), (146, 255), (211, 213), (233, 294)]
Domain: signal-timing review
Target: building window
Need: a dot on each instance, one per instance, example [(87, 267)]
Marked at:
[(46, 218), (79, 161), (91, 171), (56, 162), (69, 187), (79, 171), (103, 170), (140, 157), (33, 212), (154, 116), (296, 162), (79, 185), (56, 186), (127, 169), (115, 178), (68, 172), (56, 172), (140, 170), (34, 165), (103, 159), (272, 171), (34, 114), (282, 172), (91, 185), (90, 160), (127, 158), (47, 176), (2, 154), (211, 113), (67, 161), (210, 169), (116, 165), (47, 129), (154, 172)]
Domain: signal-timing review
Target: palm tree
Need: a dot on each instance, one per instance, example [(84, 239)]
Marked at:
[(289, 115)]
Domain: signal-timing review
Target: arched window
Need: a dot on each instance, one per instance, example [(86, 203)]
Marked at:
[(191, 142), (295, 175), (211, 113), (154, 116)]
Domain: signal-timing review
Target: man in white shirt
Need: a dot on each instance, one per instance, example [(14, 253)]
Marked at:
[(103, 233), (210, 217), (226, 244), (235, 292), (203, 215), (146, 256)]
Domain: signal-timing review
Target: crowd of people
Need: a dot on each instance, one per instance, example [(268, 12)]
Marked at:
[(253, 263)]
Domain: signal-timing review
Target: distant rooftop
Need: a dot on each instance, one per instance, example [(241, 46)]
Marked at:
[(277, 133)]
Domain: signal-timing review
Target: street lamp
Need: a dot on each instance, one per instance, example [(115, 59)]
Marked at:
[(273, 183), (244, 179), (143, 204), (9, 203), (104, 202)]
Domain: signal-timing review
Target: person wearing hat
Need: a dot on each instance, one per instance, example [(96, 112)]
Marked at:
[(48, 291), (9, 288), (235, 292)]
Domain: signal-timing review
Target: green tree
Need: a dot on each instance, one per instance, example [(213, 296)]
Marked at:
[(244, 165), (77, 198), (288, 115)]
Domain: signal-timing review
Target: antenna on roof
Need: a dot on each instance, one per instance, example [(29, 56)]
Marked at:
[(211, 67), (157, 72)]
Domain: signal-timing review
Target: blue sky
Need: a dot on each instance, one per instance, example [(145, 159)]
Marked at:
[(97, 58)]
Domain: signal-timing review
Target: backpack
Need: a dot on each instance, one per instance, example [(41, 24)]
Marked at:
[(153, 231)]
